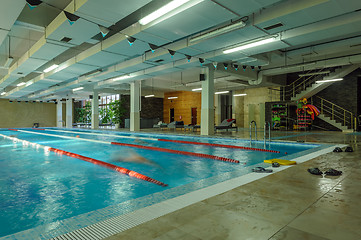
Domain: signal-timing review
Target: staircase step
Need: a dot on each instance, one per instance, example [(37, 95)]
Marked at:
[(333, 122)]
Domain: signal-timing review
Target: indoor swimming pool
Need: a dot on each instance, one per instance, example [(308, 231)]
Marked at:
[(46, 190)]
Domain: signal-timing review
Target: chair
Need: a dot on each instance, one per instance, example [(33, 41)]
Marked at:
[(226, 124), (176, 124), (160, 125)]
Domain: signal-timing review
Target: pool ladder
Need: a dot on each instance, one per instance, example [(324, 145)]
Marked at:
[(269, 133), (250, 131)]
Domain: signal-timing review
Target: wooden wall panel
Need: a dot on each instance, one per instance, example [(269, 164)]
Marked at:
[(182, 106)]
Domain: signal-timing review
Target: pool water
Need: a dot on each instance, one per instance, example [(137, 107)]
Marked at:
[(38, 187)]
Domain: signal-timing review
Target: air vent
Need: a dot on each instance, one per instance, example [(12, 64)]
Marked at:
[(66, 39), (159, 60), (273, 26)]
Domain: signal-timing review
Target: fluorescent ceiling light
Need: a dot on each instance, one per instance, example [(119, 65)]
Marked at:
[(168, 10), (121, 78), (29, 83), (240, 94), (196, 89), (77, 89), (3, 93), (172, 97), (21, 84), (221, 92), (218, 31), (313, 73), (329, 80), (250, 45), (147, 96), (51, 68)]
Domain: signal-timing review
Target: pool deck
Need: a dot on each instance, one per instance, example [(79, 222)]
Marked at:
[(290, 204)]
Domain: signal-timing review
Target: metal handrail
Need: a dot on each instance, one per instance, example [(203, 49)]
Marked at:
[(336, 112), (269, 133), (250, 131), (305, 83), (343, 109)]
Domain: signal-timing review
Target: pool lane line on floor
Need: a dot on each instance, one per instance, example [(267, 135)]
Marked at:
[(125, 171), (202, 155), (219, 145), (169, 140)]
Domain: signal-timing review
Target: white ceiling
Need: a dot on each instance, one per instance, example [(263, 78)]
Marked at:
[(312, 30)]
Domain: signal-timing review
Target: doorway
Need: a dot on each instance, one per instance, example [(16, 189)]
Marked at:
[(171, 115), (194, 116)]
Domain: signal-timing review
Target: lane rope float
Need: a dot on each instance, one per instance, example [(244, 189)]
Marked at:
[(109, 165), (103, 134), (166, 140), (142, 147), (218, 145), (177, 152), (91, 160), (67, 137)]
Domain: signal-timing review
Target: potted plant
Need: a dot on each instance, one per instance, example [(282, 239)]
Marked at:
[(83, 114), (118, 110)]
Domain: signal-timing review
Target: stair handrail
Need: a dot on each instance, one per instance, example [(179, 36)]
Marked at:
[(336, 111), (306, 83)]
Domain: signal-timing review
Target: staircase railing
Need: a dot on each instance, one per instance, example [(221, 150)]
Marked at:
[(299, 85), (336, 112)]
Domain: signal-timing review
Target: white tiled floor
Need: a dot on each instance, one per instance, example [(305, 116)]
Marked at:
[(291, 204)]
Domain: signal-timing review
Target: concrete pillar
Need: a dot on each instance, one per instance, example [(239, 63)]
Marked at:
[(233, 103), (69, 112), (59, 113), (207, 113), (135, 106), (95, 110), (217, 105)]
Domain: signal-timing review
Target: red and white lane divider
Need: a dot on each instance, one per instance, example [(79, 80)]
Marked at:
[(140, 146), (169, 140), (88, 159), (103, 134), (177, 152), (109, 165), (219, 145), (66, 137)]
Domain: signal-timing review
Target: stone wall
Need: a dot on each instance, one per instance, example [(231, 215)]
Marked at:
[(151, 108), (344, 94), (252, 106)]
